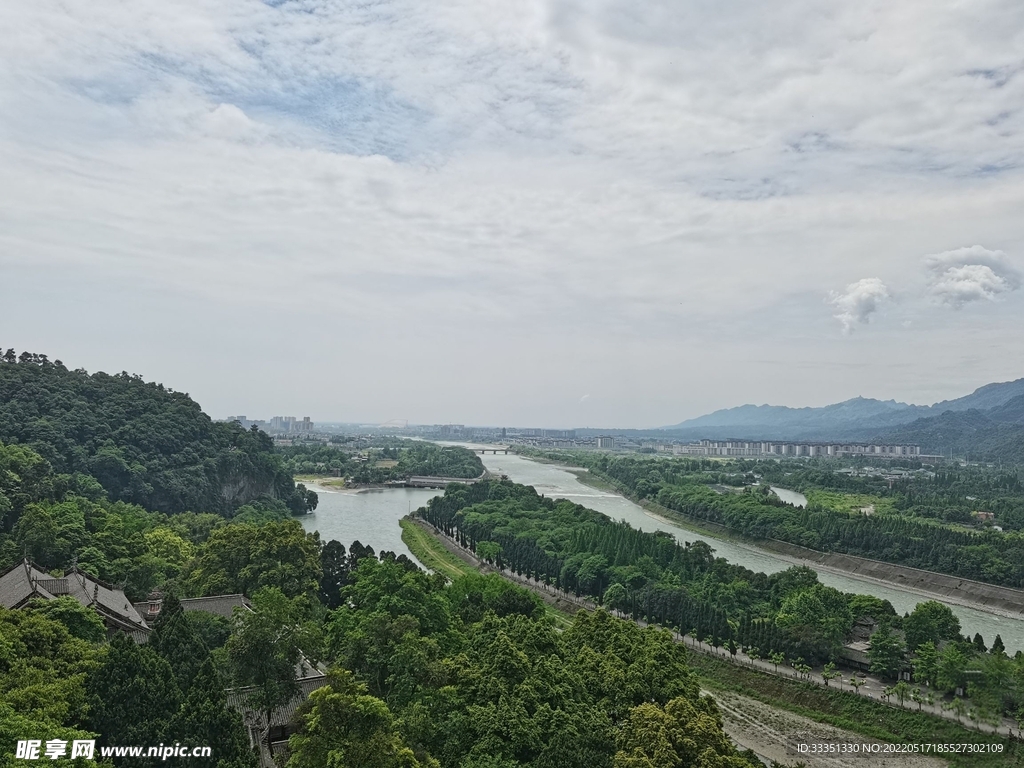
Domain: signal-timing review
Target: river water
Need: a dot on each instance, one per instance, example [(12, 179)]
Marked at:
[(790, 497), (371, 517)]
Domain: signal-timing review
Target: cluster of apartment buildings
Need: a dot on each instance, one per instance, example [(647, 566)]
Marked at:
[(557, 438), (277, 425), (462, 432), (790, 448)]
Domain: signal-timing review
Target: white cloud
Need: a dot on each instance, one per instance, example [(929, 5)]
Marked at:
[(858, 302), (539, 170), (970, 274)]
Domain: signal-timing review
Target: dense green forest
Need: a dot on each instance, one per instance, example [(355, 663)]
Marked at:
[(468, 674), (141, 442), (785, 616), (423, 673), (915, 524), (990, 435), (60, 680), (649, 575), (133, 484), (58, 519), (382, 460), (475, 677)]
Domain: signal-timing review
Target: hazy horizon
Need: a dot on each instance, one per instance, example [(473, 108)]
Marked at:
[(548, 213), (320, 419)]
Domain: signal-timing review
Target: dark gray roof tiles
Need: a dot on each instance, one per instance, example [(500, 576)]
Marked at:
[(238, 699), (21, 582), (15, 586), (221, 605)]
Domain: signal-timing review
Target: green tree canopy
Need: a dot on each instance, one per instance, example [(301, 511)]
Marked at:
[(82, 622), (930, 621), (247, 557), (817, 618), (133, 695), (142, 442), (342, 726), (886, 652), (205, 718), (683, 734), (266, 646)]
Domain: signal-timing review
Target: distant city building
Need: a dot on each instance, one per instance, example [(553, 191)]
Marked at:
[(277, 425), (799, 448), (605, 442), (290, 425), (560, 434)]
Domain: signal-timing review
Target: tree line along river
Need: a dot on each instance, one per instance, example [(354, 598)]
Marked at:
[(371, 517)]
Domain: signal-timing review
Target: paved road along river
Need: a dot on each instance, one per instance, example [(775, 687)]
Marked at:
[(372, 518)]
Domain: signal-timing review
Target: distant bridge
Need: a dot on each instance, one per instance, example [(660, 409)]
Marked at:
[(492, 450)]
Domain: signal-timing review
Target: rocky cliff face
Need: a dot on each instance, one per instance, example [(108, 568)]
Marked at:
[(238, 490)]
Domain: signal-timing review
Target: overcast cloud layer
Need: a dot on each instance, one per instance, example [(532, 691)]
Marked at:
[(536, 212)]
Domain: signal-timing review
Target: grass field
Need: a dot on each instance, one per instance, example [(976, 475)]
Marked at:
[(432, 553), (849, 502)]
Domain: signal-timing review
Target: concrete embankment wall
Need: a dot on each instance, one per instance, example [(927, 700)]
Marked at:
[(963, 591), (1000, 600)]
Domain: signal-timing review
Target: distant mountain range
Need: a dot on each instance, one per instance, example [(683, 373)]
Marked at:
[(990, 420)]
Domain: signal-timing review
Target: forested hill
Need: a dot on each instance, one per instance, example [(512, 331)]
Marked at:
[(144, 443), (994, 435), (856, 419)]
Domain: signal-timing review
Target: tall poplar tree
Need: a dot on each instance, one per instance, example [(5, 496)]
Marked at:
[(177, 642), (205, 720), (132, 696)]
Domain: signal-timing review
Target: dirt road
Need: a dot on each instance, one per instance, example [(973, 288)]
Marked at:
[(774, 733)]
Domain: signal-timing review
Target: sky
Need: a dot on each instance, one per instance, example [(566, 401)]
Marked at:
[(527, 212)]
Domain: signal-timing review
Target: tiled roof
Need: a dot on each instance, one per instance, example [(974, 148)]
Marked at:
[(221, 605), (15, 585), (282, 715), (26, 580)]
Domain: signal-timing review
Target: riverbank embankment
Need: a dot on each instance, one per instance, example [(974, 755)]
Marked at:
[(1000, 601), (870, 688)]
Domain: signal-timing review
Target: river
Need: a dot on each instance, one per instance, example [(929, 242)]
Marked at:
[(371, 517), (790, 497), (553, 480)]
